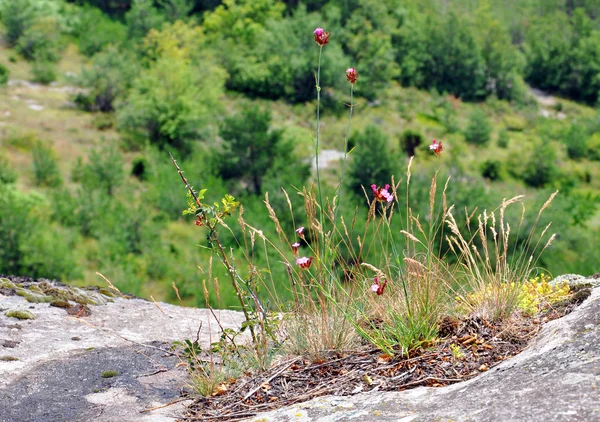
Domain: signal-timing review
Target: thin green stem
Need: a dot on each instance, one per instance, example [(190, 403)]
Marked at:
[(317, 141), (339, 199)]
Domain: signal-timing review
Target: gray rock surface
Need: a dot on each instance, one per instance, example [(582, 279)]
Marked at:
[(557, 378), (51, 367)]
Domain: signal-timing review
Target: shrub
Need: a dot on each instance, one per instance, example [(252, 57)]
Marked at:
[(104, 169), (139, 168), (142, 17), (372, 162), (491, 169), (576, 140), (171, 102), (252, 148), (43, 72), (16, 16), (7, 175), (4, 75), (478, 130), (40, 42), (96, 31), (593, 151), (31, 245), (45, 166), (49, 253), (540, 168), (503, 139), (410, 141), (109, 76)]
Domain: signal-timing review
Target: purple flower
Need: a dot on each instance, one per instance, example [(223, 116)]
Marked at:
[(295, 247), (300, 231), (382, 194), (304, 262), (321, 37)]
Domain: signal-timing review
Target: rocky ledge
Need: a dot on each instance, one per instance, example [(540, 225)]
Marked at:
[(69, 354)]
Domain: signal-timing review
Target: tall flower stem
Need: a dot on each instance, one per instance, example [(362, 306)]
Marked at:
[(339, 199), (317, 141)]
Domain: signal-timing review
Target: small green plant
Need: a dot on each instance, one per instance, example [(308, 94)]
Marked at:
[(20, 314), (537, 294), (109, 373), (7, 175), (457, 351), (4, 75), (45, 166)]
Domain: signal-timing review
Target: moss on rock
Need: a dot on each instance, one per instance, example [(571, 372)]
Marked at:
[(20, 314)]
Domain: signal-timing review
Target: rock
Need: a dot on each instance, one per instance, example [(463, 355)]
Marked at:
[(557, 378), (51, 368), (116, 365)]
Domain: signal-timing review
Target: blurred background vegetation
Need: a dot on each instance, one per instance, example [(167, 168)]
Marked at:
[(95, 93)]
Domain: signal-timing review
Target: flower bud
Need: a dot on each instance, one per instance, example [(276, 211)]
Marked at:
[(321, 37), (351, 75)]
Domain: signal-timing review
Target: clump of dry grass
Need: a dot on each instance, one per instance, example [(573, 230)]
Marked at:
[(492, 271)]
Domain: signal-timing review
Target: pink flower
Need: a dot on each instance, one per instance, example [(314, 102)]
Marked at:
[(300, 231), (321, 37), (304, 262), (378, 287), (382, 194), (295, 247), (435, 147), (351, 75)]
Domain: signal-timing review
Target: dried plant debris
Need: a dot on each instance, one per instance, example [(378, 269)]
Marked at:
[(465, 349)]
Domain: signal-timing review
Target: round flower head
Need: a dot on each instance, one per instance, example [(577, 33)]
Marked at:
[(351, 75), (321, 37)]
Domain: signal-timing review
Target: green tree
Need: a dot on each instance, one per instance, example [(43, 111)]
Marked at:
[(252, 149), (95, 31), (142, 17), (173, 99), (107, 79), (372, 162), (16, 16), (40, 41)]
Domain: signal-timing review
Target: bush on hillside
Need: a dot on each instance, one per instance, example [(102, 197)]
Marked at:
[(16, 16), (479, 129), (45, 166), (252, 149), (43, 72), (4, 75), (372, 160), (40, 41), (107, 79)]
